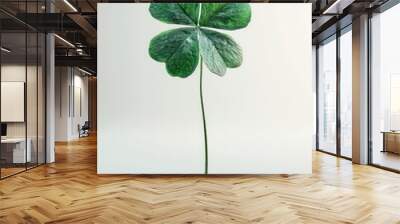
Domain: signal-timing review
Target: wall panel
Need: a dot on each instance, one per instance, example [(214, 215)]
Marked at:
[(259, 115)]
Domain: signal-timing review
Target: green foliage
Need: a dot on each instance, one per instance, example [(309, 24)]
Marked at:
[(180, 49)]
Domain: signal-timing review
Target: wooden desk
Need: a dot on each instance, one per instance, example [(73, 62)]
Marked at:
[(391, 141)]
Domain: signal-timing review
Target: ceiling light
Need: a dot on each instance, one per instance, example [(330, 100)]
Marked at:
[(338, 6), (65, 41), (70, 5), (79, 51), (84, 71), (5, 50)]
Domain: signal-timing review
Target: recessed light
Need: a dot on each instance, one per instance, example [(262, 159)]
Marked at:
[(84, 71), (5, 50)]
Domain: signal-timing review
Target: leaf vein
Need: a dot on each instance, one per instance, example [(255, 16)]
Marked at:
[(181, 44), (214, 47), (186, 14)]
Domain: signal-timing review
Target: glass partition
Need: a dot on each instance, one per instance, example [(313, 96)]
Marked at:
[(22, 101), (31, 99), (14, 155)]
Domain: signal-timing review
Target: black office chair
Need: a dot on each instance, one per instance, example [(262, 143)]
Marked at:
[(84, 130)]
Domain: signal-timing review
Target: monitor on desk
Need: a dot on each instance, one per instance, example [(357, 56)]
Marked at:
[(3, 130)]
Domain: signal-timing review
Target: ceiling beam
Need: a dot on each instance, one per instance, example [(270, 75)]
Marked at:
[(83, 61), (84, 24)]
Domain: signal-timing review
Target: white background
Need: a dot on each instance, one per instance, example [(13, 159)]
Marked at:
[(259, 116)]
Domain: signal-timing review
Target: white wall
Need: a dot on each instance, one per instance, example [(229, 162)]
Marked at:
[(62, 80), (68, 81), (259, 116), (79, 115)]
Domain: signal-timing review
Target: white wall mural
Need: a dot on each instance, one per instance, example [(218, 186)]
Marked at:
[(204, 88)]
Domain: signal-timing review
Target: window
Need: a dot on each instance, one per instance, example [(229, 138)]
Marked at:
[(327, 96), (346, 93), (385, 89), (334, 106)]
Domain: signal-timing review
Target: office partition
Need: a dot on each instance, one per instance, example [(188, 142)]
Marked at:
[(22, 77)]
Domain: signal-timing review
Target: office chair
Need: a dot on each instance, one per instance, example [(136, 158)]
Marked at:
[(84, 130)]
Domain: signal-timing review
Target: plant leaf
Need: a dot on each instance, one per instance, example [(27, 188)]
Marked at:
[(175, 13), (219, 51), (228, 16), (178, 48)]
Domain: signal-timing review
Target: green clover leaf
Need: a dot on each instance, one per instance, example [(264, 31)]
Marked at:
[(226, 16), (178, 48), (182, 48)]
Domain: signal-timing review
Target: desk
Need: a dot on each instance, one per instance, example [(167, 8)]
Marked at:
[(13, 150), (391, 141)]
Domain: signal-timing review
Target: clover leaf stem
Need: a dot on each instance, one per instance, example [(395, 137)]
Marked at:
[(204, 117)]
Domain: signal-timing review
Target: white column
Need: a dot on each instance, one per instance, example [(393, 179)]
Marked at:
[(360, 90), (50, 92)]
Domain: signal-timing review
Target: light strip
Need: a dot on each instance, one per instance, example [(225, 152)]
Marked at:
[(326, 11), (84, 71), (70, 5), (64, 40), (5, 50)]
